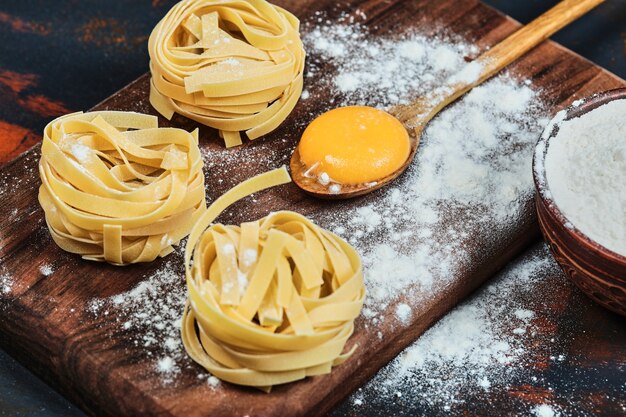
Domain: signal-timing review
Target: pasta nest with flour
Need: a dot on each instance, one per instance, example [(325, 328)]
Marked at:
[(271, 301), (232, 65), (117, 188)]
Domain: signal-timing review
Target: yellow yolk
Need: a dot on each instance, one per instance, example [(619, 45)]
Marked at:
[(354, 145)]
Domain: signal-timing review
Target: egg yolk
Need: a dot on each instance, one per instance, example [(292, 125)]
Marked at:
[(354, 145)]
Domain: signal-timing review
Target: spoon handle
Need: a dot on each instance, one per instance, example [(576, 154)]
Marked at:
[(491, 62), (529, 36)]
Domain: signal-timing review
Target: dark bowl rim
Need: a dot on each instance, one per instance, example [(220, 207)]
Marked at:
[(576, 109)]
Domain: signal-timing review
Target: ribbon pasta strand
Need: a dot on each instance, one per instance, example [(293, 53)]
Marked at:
[(233, 65), (271, 301), (117, 188)]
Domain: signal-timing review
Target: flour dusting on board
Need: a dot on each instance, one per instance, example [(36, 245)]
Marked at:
[(381, 71), (6, 284), (150, 315), (472, 174), (468, 187), (477, 347), (46, 270), (12, 182), (544, 410)]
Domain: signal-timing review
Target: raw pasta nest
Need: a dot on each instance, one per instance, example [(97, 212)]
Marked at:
[(232, 65), (117, 188), (270, 301)]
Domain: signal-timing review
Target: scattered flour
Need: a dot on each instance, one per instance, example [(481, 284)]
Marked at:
[(81, 152), (470, 73), (471, 179), (474, 348), (166, 365), (382, 71), (150, 315), (231, 61), (403, 313), (12, 181), (213, 381), (586, 173), (46, 270), (524, 314), (544, 410), (6, 284)]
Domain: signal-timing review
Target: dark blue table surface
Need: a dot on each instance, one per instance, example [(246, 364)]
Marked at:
[(81, 52)]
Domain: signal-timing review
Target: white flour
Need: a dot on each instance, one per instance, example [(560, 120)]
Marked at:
[(150, 315), (6, 284), (586, 173), (475, 348), (46, 270), (381, 71), (544, 410)]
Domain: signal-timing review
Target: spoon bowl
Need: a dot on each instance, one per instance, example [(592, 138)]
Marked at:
[(312, 186)]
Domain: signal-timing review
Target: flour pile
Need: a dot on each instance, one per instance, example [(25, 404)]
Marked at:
[(586, 173)]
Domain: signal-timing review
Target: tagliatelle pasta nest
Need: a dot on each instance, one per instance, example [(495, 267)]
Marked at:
[(117, 188), (232, 65), (270, 301)]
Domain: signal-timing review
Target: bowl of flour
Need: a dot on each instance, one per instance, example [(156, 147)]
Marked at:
[(579, 168)]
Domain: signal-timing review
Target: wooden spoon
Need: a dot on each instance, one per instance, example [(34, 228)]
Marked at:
[(416, 115)]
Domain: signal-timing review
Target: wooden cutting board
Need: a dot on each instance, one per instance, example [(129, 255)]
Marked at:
[(45, 320)]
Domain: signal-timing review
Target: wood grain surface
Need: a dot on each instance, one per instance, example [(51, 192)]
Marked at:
[(45, 322)]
